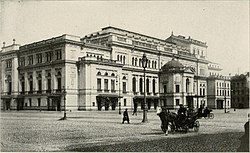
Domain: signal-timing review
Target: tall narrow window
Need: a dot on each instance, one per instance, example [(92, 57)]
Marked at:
[(30, 59), (133, 62), (125, 102), (39, 102), (99, 87), (187, 85), (165, 88), (31, 86), (23, 86), (124, 87), (153, 84), (10, 87), (141, 85), (106, 84), (177, 88), (134, 84), (147, 82), (49, 83), (112, 85), (124, 60), (121, 58), (117, 58), (177, 102), (59, 82)]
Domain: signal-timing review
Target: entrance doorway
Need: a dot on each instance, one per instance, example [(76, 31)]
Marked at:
[(7, 104), (220, 104), (20, 104), (54, 104)]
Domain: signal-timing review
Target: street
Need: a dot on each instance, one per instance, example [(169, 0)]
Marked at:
[(102, 131)]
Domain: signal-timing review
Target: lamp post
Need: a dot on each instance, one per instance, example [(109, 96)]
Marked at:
[(144, 65), (64, 100)]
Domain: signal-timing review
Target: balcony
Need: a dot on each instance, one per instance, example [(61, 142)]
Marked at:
[(113, 91), (48, 91)]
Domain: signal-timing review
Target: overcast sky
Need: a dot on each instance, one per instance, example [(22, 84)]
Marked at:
[(223, 25)]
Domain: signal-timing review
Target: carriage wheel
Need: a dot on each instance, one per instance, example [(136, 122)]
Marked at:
[(211, 115), (196, 126)]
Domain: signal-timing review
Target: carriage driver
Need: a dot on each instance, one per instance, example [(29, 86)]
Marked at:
[(182, 113)]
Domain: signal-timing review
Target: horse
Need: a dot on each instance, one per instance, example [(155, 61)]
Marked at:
[(167, 118)]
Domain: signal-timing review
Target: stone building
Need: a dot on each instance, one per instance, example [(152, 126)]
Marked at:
[(219, 92), (9, 76), (240, 91), (103, 70)]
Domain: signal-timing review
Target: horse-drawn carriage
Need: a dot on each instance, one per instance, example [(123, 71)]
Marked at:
[(176, 123)]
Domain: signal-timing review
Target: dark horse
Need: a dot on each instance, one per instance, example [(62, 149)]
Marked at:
[(167, 118), (171, 119)]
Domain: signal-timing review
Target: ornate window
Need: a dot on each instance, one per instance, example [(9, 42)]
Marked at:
[(141, 85), (134, 84)]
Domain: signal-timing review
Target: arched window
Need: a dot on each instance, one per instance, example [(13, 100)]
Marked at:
[(59, 81), (141, 85), (99, 73), (147, 82), (153, 84), (134, 84), (133, 62), (124, 59), (121, 58), (112, 74), (187, 85), (106, 74)]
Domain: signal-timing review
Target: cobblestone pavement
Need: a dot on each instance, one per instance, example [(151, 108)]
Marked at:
[(23, 131)]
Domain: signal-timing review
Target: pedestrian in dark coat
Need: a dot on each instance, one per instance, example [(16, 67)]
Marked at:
[(125, 116)]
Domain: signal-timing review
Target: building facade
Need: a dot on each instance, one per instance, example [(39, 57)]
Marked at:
[(240, 91), (103, 70), (219, 92), (9, 76)]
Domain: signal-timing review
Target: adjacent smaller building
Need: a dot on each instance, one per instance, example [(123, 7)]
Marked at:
[(219, 92), (240, 91)]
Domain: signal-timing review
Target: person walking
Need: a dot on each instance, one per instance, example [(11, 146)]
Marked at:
[(125, 116)]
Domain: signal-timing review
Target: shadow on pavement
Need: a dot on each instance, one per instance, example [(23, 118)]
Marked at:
[(223, 142)]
